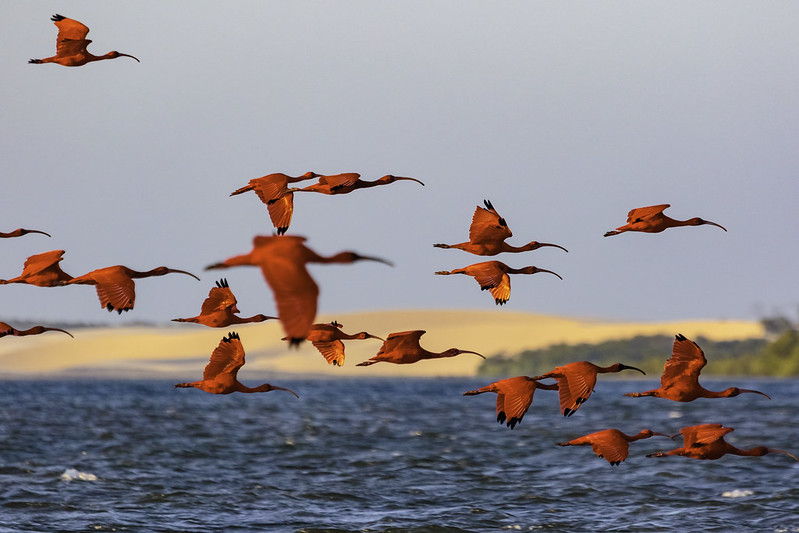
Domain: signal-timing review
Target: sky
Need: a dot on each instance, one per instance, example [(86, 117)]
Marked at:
[(565, 115)]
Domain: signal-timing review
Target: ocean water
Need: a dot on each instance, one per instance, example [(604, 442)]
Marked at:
[(383, 455)]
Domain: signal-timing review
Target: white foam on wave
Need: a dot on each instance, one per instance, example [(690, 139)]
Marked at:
[(71, 474), (675, 414), (737, 493)]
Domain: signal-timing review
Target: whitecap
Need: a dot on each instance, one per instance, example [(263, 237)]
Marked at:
[(72, 474), (737, 493), (675, 414)]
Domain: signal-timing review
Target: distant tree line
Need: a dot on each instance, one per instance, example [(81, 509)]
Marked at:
[(777, 356)]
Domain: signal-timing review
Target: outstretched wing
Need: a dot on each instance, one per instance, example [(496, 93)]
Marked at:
[(339, 181), (686, 362), (332, 351), (116, 293), (703, 434), (39, 262), (227, 358), (71, 38), (401, 340), (219, 299), (645, 212), (487, 226), (514, 397), (610, 445), (280, 211), (575, 386)]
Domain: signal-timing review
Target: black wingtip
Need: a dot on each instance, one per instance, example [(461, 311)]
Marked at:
[(488, 205), (231, 336), (680, 337), (57, 17)]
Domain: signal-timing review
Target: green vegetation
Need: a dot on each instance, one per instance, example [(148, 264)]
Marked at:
[(778, 358)]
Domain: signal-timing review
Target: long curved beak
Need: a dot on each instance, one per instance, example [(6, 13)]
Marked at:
[(36, 231), (789, 454), (756, 392), (714, 224), (375, 337), (378, 259), (475, 353), (183, 272), (409, 179), (541, 244), (664, 435), (287, 390), (627, 367), (216, 266), (61, 330), (128, 55), (549, 271)]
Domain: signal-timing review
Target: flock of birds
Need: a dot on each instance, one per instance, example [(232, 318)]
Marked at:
[(283, 258)]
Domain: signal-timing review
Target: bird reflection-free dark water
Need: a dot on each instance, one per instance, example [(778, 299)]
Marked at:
[(380, 455)]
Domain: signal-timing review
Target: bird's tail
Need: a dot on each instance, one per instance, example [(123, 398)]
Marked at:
[(183, 385), (184, 320)]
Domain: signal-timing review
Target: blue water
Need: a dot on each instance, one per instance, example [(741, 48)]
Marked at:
[(390, 455)]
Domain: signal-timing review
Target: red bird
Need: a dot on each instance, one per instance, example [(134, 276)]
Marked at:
[(5, 329), (493, 276), (706, 441), (514, 397), (219, 309), (348, 182), (19, 232), (220, 375), (327, 339), (487, 235), (115, 286), (611, 444), (71, 45), (652, 220), (283, 260), (42, 270), (403, 348), (680, 379), (272, 189), (576, 382)]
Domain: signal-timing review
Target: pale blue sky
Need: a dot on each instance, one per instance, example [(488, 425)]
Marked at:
[(564, 114)]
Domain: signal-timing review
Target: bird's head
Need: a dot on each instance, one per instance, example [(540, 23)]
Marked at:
[(536, 270), (452, 352), (114, 54), (735, 391), (535, 245), (160, 271), (696, 221), (389, 178), (618, 367), (649, 433), (364, 335)]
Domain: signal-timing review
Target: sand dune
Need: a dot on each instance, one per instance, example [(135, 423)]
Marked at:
[(182, 350)]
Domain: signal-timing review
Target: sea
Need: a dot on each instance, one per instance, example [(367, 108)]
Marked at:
[(381, 455)]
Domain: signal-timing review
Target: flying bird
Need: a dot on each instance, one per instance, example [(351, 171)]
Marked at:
[(488, 232), (220, 375), (348, 182), (514, 396), (6, 329), (219, 309), (576, 382), (680, 379), (115, 286), (19, 232), (403, 348), (493, 276), (327, 339), (611, 444), (283, 260), (42, 270), (71, 45), (706, 441), (652, 220), (272, 189)]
